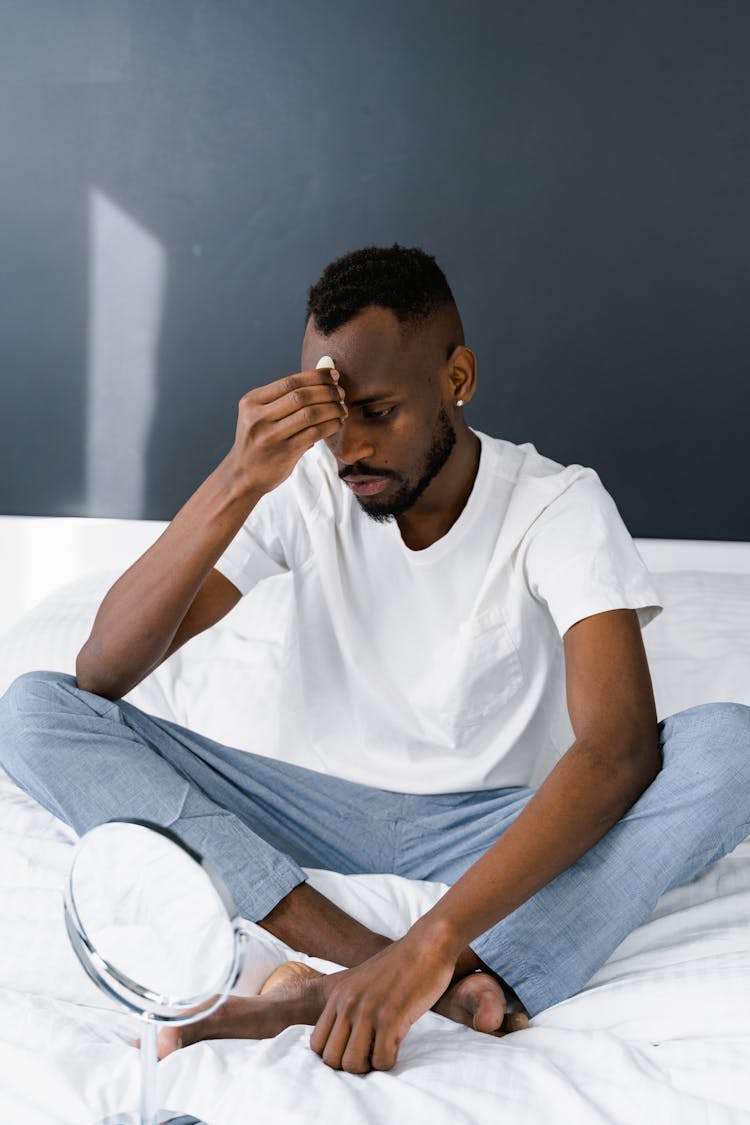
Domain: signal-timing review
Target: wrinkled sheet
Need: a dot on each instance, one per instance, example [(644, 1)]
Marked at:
[(661, 1034)]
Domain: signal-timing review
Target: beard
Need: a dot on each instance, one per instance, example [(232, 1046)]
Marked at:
[(407, 495)]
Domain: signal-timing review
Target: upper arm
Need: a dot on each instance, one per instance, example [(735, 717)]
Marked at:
[(215, 597), (608, 683)]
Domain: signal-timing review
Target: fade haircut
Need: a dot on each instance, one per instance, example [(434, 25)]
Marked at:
[(401, 278)]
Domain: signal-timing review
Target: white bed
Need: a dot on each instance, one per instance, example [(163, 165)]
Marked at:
[(661, 1034)]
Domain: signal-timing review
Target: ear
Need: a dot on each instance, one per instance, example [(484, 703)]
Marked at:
[(461, 369)]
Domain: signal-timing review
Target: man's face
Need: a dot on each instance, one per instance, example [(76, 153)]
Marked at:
[(398, 434)]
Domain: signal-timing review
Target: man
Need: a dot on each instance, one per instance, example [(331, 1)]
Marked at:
[(466, 695)]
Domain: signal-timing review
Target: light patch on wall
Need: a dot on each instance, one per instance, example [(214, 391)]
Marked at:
[(127, 278)]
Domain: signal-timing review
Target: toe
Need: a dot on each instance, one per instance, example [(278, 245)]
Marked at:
[(487, 1003), (515, 1021)]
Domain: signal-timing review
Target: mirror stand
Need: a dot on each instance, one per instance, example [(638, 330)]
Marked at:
[(149, 1114), (141, 907)]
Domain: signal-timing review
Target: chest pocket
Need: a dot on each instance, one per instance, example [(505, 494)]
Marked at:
[(480, 670)]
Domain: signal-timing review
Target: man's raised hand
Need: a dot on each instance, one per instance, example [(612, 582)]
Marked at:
[(277, 423)]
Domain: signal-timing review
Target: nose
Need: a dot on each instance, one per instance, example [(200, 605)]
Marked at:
[(351, 443)]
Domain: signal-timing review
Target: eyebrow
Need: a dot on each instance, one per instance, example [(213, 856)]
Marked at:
[(367, 399)]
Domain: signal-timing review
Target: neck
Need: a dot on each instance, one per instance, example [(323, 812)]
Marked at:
[(442, 502)]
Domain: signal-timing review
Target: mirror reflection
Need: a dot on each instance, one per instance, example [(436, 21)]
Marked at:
[(147, 907)]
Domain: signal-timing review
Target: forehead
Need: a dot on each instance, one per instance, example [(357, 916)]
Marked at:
[(372, 352)]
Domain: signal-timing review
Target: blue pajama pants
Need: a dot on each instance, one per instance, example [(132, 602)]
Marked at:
[(259, 821)]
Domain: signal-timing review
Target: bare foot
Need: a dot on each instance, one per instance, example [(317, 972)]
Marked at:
[(290, 996), (287, 998), (478, 1001)]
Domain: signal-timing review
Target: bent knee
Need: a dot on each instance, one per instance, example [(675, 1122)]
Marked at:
[(731, 722), (717, 734), (35, 691)]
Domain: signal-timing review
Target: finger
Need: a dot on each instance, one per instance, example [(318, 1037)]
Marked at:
[(336, 1042), (356, 1057), (311, 418), (306, 439), (300, 398), (325, 363), (271, 391), (323, 1029), (386, 1047)]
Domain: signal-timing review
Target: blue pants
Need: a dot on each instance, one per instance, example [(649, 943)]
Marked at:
[(259, 821)]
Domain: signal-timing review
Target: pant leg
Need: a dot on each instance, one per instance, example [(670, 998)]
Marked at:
[(695, 811), (88, 759)]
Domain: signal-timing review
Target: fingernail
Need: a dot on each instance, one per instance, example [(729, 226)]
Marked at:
[(334, 375)]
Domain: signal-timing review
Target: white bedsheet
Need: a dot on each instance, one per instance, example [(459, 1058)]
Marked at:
[(660, 1035)]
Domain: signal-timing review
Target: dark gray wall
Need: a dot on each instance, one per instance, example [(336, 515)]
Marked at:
[(176, 173)]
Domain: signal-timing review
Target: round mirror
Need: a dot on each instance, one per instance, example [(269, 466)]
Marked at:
[(154, 926)]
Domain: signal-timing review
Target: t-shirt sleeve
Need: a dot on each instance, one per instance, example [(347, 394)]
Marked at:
[(580, 560), (266, 545)]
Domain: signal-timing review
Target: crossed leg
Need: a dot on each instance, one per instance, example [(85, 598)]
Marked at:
[(250, 814), (119, 762)]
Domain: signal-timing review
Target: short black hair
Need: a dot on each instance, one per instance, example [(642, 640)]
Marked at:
[(402, 278)]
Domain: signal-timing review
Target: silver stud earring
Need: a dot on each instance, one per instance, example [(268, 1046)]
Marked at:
[(460, 402)]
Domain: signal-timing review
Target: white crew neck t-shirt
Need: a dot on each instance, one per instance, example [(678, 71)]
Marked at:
[(440, 670)]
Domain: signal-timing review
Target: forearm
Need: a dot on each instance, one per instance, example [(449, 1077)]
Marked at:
[(139, 619), (142, 612), (586, 794)]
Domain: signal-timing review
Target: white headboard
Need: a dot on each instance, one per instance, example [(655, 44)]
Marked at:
[(38, 554)]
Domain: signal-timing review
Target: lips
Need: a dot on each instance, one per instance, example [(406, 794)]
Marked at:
[(366, 486)]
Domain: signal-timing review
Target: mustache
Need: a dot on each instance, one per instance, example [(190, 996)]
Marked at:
[(360, 470)]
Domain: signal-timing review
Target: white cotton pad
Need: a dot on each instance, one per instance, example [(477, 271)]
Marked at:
[(324, 361)]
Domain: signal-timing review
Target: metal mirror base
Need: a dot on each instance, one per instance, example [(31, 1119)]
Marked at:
[(163, 1117)]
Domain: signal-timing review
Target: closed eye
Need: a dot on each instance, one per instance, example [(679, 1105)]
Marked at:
[(377, 413)]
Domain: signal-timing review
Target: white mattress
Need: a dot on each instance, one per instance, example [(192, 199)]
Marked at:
[(660, 1035)]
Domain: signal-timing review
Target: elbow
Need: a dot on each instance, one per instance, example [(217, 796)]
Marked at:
[(85, 679), (642, 762), (89, 675), (627, 764), (643, 752)]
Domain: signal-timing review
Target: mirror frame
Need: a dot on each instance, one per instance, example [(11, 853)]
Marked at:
[(146, 1002)]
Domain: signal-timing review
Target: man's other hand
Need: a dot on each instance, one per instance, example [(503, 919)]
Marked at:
[(371, 1007)]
